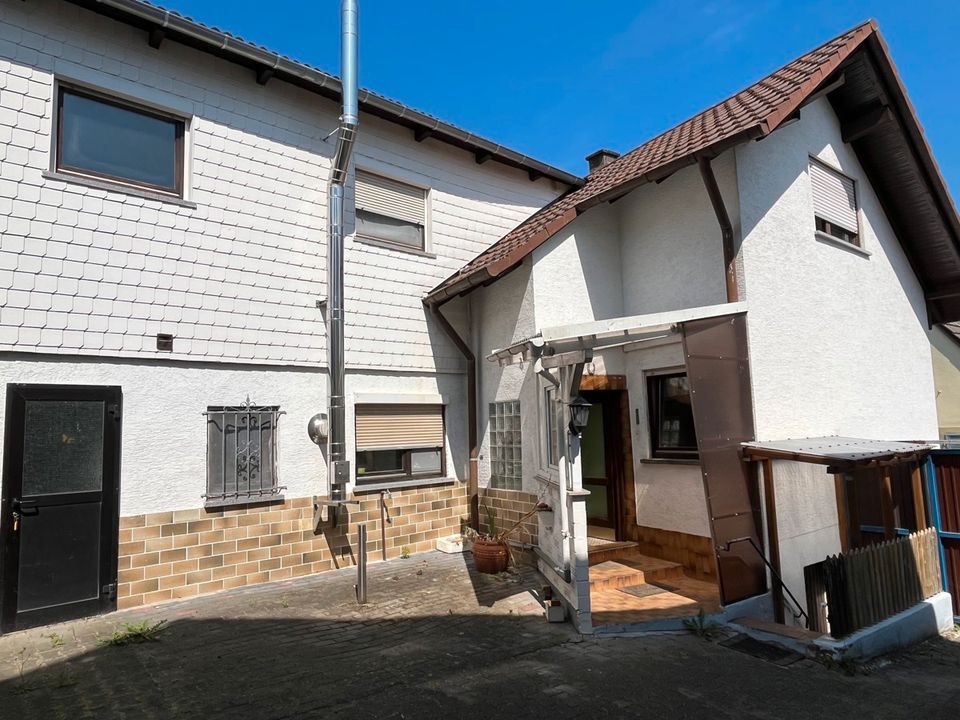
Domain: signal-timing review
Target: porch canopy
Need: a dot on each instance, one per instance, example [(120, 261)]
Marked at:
[(841, 454), (565, 343)]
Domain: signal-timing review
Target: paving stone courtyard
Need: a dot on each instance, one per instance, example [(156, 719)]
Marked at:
[(436, 640)]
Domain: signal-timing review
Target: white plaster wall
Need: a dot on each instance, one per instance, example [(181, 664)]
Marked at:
[(806, 520), (504, 313), (577, 273), (164, 433), (837, 340), (94, 272), (671, 245), (669, 496)]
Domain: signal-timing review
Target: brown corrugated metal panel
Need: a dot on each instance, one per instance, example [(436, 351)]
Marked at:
[(718, 370), (948, 489), (951, 554)]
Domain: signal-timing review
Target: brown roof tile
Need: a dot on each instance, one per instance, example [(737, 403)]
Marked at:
[(756, 110)]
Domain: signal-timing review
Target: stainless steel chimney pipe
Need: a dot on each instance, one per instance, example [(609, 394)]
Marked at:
[(338, 468)]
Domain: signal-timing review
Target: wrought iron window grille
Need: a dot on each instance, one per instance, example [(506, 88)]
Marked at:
[(242, 454)]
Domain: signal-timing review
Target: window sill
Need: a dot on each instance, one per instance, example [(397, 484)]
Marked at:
[(671, 461), (359, 489), (237, 502), (116, 187), (843, 244), (393, 246)]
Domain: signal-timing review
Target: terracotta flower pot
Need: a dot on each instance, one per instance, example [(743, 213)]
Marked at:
[(490, 556)]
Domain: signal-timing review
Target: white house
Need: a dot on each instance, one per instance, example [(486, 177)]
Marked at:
[(764, 272), (163, 193)]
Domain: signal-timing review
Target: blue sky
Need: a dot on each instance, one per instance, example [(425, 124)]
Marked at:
[(558, 79)]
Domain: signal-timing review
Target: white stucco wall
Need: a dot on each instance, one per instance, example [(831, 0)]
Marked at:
[(837, 340), (945, 352), (806, 520), (163, 432), (669, 496), (577, 273), (671, 245)]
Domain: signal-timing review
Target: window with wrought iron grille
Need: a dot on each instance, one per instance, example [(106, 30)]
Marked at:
[(506, 466), (242, 453)]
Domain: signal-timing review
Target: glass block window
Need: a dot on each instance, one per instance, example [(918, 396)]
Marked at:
[(242, 454), (506, 466)]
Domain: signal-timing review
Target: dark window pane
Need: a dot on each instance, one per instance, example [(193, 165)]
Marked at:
[(379, 462), (671, 420), (65, 449), (389, 229), (241, 453), (118, 142), (425, 461)]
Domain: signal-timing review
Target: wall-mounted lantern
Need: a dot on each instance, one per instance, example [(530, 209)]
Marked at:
[(317, 428), (579, 414)]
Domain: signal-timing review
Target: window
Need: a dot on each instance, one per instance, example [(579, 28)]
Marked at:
[(834, 203), (391, 211), (115, 140), (672, 433), (399, 442), (241, 454), (506, 466), (551, 420)]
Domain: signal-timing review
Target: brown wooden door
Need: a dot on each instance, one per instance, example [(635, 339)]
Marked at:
[(601, 460)]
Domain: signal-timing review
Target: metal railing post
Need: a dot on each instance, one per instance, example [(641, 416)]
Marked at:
[(362, 564)]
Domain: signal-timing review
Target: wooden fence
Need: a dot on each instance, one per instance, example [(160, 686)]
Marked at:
[(864, 586)]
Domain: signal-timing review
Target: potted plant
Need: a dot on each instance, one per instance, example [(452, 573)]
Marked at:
[(491, 551)]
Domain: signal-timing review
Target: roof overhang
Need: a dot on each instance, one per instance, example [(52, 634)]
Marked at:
[(839, 453), (622, 332), (160, 25)]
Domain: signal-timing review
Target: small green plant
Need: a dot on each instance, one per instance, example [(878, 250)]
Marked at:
[(284, 601), (56, 640), (404, 552), (134, 633), (491, 521), (703, 627)]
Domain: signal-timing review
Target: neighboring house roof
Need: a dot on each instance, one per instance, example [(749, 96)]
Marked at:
[(861, 86), (161, 24)]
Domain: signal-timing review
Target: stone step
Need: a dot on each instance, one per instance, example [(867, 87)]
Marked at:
[(634, 569), (788, 631), (603, 551)]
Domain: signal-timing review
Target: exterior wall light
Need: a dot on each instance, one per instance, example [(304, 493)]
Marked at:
[(317, 428), (579, 414)]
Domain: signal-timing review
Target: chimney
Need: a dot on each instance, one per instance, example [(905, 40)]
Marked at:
[(601, 157)]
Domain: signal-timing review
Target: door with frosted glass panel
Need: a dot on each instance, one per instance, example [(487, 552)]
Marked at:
[(595, 463), (59, 510)]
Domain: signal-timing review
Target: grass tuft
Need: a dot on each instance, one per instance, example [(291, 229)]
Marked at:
[(133, 633)]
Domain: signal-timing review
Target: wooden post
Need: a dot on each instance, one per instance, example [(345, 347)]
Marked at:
[(843, 513), (773, 537), (919, 508), (886, 504), (853, 507)]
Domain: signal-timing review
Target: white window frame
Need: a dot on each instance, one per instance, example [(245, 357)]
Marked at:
[(111, 94), (427, 249)]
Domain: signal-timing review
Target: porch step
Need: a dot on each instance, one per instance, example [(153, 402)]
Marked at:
[(601, 551), (630, 570)]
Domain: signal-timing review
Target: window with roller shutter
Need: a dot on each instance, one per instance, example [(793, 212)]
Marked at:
[(834, 203), (391, 211), (399, 442)]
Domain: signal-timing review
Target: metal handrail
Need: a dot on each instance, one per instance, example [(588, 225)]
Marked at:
[(799, 610)]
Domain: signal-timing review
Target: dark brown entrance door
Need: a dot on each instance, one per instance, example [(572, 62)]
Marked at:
[(600, 460), (59, 509)]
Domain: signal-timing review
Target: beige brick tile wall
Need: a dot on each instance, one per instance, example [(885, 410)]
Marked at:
[(172, 555), (508, 507)]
